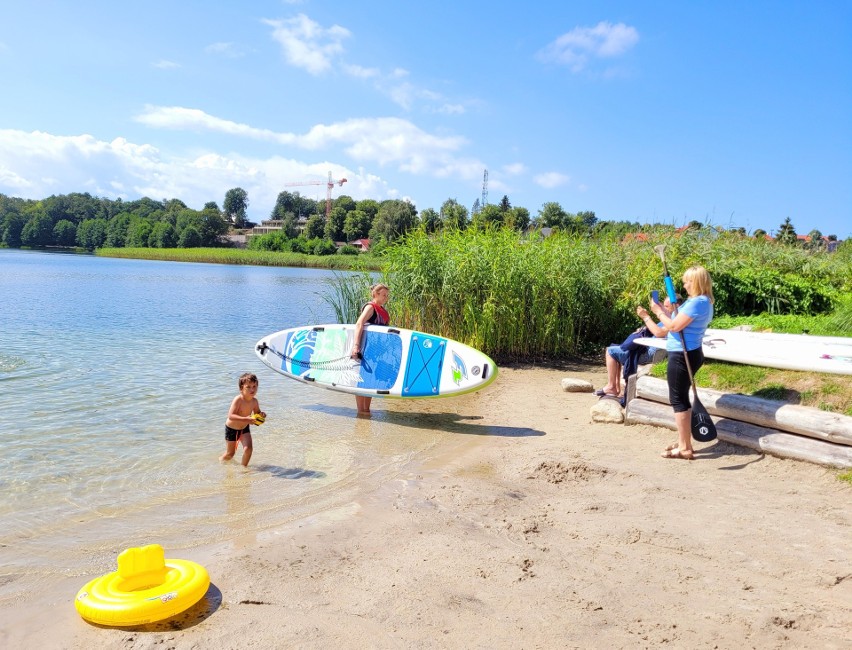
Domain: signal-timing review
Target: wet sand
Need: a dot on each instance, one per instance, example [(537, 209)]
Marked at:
[(551, 531)]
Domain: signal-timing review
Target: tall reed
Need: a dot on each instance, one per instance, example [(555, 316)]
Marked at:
[(349, 293), (507, 295)]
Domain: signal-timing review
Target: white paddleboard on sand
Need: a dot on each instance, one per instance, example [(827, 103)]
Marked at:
[(831, 354), (395, 362)]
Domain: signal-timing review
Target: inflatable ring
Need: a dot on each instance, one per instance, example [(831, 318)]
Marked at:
[(146, 588)]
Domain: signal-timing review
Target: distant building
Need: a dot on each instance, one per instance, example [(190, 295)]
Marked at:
[(362, 244)]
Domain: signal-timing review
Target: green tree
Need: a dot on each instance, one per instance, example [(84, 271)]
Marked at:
[(162, 235), (324, 247), (346, 202), (315, 227), (116, 235), (138, 233), (489, 215), (357, 224), (551, 215), (453, 214), (588, 219), (816, 242), (235, 206), (38, 230), (289, 227), (335, 222), (212, 227), (430, 219), (395, 218), (787, 233), (518, 218), (189, 238), (13, 226), (505, 206), (173, 205), (144, 207), (369, 207), (91, 234), (65, 233)]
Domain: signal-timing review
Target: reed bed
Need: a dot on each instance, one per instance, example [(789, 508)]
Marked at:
[(245, 256), (524, 298), (510, 296)]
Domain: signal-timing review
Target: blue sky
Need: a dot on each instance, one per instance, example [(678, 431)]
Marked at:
[(729, 113)]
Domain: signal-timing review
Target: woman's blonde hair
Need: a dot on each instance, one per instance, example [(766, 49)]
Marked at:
[(378, 287), (702, 280)]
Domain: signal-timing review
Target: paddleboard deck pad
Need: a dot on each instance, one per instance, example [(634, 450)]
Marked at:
[(394, 362), (830, 354)]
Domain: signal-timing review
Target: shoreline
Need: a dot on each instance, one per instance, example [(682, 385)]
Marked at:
[(551, 531)]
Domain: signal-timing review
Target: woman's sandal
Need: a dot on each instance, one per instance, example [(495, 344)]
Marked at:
[(674, 452)]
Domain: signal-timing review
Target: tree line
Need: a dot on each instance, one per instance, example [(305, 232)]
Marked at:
[(90, 222)]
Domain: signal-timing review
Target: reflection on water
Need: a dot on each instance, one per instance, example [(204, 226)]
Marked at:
[(121, 372)]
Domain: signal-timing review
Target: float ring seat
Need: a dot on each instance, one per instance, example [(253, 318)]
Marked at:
[(146, 588)]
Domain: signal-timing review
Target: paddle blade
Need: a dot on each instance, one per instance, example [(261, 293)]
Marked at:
[(703, 428)]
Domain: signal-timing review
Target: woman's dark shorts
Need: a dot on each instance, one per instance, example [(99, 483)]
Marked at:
[(678, 378)]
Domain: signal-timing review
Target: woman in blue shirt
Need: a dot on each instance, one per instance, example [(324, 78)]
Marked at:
[(691, 320)]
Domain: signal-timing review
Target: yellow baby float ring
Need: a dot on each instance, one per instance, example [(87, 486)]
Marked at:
[(146, 588)]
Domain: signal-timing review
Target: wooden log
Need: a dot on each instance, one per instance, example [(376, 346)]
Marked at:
[(770, 441), (792, 418)]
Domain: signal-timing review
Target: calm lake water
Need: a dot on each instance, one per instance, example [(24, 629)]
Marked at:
[(115, 380)]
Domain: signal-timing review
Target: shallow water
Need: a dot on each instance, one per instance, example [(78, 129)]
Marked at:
[(115, 379)]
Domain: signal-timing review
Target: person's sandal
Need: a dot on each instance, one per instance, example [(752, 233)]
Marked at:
[(677, 453)]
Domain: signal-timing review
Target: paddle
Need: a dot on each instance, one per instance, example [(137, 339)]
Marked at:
[(702, 426)]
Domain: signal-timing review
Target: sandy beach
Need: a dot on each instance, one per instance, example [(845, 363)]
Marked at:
[(551, 532)]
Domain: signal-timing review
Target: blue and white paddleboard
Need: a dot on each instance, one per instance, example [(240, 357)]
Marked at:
[(395, 362)]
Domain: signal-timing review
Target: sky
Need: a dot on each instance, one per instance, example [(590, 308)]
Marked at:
[(730, 113)]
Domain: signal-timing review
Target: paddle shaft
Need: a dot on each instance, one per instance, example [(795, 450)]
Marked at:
[(670, 290)]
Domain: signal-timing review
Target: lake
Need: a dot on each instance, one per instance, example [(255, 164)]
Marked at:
[(115, 380)]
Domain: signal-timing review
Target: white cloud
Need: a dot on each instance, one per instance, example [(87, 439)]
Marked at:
[(308, 45), (382, 140), (229, 50), (34, 165), (452, 109), (602, 41), (360, 71), (514, 169), (193, 119), (165, 64), (549, 180)]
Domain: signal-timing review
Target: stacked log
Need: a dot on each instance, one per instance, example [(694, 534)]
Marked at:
[(785, 430)]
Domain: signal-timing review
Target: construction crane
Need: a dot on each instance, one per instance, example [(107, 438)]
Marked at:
[(329, 185)]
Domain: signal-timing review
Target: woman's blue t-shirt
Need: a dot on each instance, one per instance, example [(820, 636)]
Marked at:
[(700, 309)]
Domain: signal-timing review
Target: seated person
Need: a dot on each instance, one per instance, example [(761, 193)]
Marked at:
[(618, 356)]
